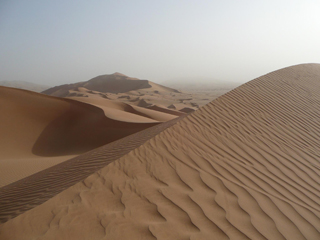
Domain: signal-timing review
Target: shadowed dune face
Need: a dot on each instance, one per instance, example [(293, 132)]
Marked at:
[(38, 131), (80, 129), (24, 115), (245, 166)]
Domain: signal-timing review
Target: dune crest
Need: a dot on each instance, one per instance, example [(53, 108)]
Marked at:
[(245, 166)]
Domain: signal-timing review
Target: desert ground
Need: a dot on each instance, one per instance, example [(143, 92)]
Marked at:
[(121, 158)]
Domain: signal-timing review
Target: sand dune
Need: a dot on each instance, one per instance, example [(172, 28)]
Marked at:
[(133, 91), (112, 83), (245, 166), (37, 126)]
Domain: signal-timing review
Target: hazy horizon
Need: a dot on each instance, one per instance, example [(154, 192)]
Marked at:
[(57, 42)]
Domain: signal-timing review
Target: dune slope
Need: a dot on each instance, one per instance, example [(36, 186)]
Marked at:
[(245, 166)]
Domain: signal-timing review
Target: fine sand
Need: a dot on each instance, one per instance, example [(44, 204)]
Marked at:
[(245, 166)]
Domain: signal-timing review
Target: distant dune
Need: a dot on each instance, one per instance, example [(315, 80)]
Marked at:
[(245, 166), (136, 92), (24, 85), (112, 83)]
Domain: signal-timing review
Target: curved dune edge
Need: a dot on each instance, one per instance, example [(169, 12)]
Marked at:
[(38, 125), (126, 113), (245, 166), (39, 131)]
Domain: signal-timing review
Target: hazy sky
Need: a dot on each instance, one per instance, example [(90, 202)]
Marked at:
[(60, 41)]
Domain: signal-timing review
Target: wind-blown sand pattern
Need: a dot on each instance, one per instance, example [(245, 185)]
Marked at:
[(245, 166)]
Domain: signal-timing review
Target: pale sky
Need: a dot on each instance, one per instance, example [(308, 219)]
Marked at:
[(61, 41)]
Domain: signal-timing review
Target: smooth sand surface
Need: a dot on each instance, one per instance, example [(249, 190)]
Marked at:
[(245, 166), (38, 131)]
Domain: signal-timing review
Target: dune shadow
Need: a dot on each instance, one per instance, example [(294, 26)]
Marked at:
[(80, 129)]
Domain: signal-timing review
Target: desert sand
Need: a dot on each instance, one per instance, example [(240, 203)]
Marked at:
[(245, 166)]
